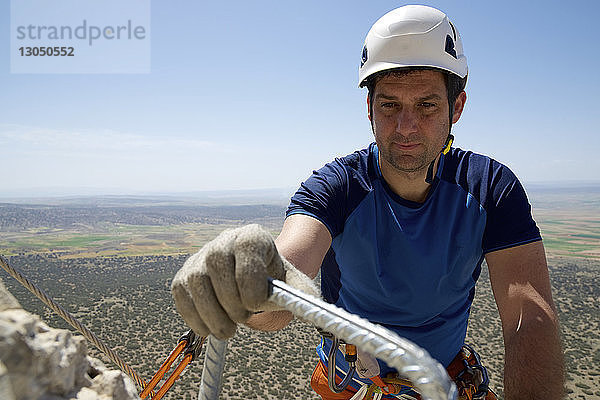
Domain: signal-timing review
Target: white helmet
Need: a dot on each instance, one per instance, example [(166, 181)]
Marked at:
[(412, 36)]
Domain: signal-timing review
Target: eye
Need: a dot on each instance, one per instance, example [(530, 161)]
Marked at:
[(388, 105), (427, 104)]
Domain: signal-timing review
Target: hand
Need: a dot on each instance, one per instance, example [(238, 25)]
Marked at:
[(226, 281)]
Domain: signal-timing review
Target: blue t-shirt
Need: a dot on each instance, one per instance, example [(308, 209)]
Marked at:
[(412, 267)]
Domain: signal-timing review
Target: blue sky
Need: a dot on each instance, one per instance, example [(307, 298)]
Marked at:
[(252, 95)]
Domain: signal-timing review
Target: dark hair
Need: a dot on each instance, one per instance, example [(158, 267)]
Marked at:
[(454, 84)]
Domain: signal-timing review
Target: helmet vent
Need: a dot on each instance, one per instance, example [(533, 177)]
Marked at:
[(450, 47), (364, 57)]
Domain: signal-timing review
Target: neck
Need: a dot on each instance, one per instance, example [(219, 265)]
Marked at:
[(408, 185)]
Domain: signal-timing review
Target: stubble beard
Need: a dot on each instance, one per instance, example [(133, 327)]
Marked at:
[(408, 163)]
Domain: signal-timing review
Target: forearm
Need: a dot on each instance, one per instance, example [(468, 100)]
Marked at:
[(534, 367), (270, 321)]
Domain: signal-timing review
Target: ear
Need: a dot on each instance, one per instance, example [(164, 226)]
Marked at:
[(459, 105), (369, 109)]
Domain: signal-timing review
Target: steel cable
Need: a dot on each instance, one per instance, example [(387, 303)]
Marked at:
[(57, 308)]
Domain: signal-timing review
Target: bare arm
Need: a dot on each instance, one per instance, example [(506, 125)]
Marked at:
[(533, 367), (303, 241)]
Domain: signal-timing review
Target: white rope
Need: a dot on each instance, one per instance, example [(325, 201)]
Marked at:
[(214, 362), (428, 376)]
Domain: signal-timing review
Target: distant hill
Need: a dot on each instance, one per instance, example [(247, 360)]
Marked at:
[(276, 196), (133, 212)]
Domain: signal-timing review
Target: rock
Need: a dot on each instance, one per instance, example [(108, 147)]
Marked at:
[(7, 300), (41, 363), (6, 390), (114, 385)]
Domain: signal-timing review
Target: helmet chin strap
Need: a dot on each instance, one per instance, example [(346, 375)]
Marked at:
[(445, 149)]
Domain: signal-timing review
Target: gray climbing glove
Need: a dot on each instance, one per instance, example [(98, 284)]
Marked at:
[(226, 281), (366, 365)]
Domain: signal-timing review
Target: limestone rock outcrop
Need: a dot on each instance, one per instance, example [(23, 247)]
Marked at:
[(38, 362)]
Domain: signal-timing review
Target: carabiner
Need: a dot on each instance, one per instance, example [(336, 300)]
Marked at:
[(350, 358), (190, 346), (483, 387)]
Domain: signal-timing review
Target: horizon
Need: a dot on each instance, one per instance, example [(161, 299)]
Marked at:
[(277, 194)]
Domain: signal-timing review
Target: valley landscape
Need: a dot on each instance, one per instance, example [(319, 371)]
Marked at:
[(110, 261)]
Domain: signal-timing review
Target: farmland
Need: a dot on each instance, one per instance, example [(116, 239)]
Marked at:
[(111, 265)]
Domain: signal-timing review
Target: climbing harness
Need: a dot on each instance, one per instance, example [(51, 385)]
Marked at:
[(190, 346), (466, 370), (375, 390), (379, 385)]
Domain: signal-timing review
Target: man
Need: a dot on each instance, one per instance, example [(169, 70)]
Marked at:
[(399, 229)]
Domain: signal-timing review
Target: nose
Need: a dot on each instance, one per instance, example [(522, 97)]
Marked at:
[(406, 121)]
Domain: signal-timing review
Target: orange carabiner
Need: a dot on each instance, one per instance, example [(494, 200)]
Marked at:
[(188, 358), (163, 369), (186, 344)]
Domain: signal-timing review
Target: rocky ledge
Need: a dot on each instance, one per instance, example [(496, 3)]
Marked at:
[(38, 362)]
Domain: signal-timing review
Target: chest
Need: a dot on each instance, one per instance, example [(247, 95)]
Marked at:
[(410, 256)]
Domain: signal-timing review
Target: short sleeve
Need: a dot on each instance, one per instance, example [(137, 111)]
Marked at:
[(509, 220), (323, 196)]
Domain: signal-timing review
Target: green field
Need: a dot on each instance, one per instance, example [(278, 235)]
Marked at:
[(569, 233), (562, 237), (118, 239), (111, 240)]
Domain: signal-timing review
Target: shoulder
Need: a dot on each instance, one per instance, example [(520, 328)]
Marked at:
[(331, 192), (480, 175), (465, 165), (497, 189), (354, 163), (348, 172)]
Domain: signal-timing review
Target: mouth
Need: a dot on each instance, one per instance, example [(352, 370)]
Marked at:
[(407, 146)]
